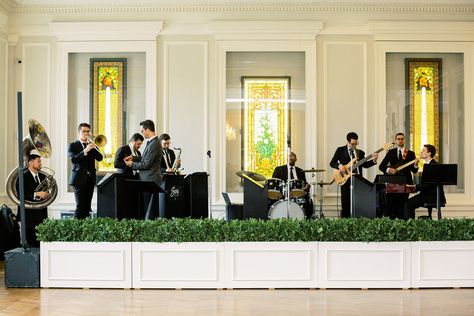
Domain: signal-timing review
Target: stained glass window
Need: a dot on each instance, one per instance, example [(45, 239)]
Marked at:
[(107, 106), (265, 118)]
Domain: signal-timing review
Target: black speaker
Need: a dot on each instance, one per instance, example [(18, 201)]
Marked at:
[(22, 267)]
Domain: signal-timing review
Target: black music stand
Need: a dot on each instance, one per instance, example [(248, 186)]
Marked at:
[(440, 174)]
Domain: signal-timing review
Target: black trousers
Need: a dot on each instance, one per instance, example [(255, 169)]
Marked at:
[(395, 205), (151, 205), (32, 219), (346, 200), (412, 204), (83, 195)]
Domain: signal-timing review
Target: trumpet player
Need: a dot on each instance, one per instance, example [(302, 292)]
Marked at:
[(169, 163), (33, 217), (83, 154)]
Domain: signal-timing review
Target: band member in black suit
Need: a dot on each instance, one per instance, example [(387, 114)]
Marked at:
[(132, 149), (149, 165), (168, 155), (427, 191), (281, 172), (396, 157), (83, 154), (33, 217), (342, 157)]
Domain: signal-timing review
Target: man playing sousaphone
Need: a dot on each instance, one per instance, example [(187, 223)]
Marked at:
[(32, 177)]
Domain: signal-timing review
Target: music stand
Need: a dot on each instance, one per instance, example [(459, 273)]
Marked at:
[(440, 174)]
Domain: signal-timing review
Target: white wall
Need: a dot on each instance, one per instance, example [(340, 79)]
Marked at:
[(185, 100), (3, 106)]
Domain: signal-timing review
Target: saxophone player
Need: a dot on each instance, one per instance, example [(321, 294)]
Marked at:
[(169, 163)]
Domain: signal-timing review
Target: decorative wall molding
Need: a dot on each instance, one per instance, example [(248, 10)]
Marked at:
[(277, 30), (246, 6), (106, 31), (422, 30)]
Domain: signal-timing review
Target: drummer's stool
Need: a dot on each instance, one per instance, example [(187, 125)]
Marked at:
[(232, 211)]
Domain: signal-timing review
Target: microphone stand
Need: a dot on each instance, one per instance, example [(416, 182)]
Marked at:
[(288, 152), (209, 186)]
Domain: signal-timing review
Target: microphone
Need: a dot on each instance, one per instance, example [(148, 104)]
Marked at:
[(209, 153), (288, 140)]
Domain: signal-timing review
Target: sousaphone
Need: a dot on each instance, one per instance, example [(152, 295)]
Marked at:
[(38, 140)]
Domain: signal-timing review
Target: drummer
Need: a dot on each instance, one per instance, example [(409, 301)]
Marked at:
[(281, 172)]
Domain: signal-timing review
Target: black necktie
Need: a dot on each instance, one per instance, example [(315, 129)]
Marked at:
[(352, 157), (291, 173), (37, 180), (399, 154), (84, 145)]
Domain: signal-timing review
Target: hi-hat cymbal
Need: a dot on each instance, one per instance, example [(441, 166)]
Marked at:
[(251, 175), (314, 170)]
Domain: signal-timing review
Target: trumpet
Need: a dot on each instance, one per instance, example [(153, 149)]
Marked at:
[(98, 141)]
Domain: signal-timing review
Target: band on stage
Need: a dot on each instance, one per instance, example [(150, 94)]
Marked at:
[(287, 193)]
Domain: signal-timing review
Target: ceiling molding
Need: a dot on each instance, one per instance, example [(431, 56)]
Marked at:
[(106, 31), (65, 7), (7, 6), (265, 29), (421, 30)]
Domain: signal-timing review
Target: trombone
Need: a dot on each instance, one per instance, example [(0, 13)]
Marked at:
[(98, 141)]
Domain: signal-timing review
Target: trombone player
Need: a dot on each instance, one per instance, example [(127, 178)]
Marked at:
[(32, 179), (83, 154)]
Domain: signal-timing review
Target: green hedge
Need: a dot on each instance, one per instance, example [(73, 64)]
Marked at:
[(209, 230)]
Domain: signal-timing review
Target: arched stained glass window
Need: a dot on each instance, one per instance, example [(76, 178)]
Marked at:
[(424, 95), (265, 120), (107, 104)]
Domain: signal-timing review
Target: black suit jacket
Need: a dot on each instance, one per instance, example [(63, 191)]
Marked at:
[(82, 165), (281, 172), (29, 184), (163, 162), (391, 160), (121, 153), (341, 156), (428, 191)]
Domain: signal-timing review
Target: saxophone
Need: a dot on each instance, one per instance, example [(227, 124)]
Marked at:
[(176, 166)]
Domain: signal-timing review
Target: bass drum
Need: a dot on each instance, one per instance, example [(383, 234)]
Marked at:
[(278, 210)]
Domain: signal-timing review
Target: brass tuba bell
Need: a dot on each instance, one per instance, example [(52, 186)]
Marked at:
[(38, 140)]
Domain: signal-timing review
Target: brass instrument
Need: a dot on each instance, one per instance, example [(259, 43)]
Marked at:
[(175, 166), (36, 140), (98, 141)]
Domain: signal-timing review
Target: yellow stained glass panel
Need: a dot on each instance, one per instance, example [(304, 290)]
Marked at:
[(265, 124)]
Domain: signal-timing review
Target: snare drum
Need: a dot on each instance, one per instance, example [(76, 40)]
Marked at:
[(279, 210), (274, 188), (297, 188)]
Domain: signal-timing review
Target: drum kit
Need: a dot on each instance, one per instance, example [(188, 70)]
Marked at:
[(290, 204)]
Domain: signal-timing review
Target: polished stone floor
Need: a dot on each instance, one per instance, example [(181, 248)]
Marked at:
[(234, 302)]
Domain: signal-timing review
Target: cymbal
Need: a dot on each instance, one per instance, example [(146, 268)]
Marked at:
[(251, 175), (314, 170)]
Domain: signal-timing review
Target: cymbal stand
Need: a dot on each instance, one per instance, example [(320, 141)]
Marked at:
[(313, 194)]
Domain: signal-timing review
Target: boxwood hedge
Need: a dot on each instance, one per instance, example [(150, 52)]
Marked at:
[(213, 230)]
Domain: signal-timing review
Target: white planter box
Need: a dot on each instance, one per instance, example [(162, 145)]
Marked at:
[(443, 264), (364, 265), (271, 264), (86, 264), (178, 265)]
